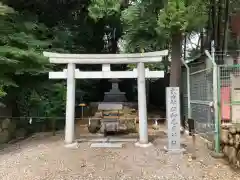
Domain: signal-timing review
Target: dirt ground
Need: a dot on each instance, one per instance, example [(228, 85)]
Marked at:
[(44, 157)]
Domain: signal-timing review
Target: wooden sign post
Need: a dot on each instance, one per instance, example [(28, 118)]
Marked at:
[(173, 119)]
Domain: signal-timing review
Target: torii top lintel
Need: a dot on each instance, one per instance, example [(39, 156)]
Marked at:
[(58, 58)]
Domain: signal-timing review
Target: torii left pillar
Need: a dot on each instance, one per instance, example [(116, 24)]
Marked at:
[(70, 104)]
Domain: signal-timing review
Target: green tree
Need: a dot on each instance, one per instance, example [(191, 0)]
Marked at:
[(140, 23), (153, 25), (29, 30), (23, 68)]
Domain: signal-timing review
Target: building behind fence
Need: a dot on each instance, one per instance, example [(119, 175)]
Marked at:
[(229, 90)]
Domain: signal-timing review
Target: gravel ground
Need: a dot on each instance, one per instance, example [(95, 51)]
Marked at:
[(44, 157)]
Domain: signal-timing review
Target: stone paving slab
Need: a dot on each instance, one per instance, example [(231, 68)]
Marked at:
[(110, 139), (106, 145), (122, 140), (92, 140)]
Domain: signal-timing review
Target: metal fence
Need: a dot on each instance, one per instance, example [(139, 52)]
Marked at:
[(211, 96), (200, 79), (200, 97), (184, 100)]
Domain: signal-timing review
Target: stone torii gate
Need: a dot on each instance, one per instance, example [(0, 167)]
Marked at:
[(71, 73)]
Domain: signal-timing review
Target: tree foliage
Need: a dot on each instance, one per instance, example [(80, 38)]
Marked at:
[(28, 28), (177, 18), (100, 9), (23, 67), (140, 27), (21, 43), (183, 15)]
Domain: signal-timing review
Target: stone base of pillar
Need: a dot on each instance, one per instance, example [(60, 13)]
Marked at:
[(138, 144), (174, 151), (73, 145)]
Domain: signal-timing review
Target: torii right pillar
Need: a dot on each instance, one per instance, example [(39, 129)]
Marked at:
[(142, 107)]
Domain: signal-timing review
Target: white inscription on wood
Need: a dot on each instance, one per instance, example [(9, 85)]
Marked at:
[(173, 117)]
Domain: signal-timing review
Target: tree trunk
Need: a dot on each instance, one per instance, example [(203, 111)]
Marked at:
[(176, 53), (185, 47), (219, 32), (202, 41), (213, 11), (165, 60), (226, 24), (114, 46)]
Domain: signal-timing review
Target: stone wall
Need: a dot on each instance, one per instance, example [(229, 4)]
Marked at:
[(230, 143), (19, 128), (9, 131)]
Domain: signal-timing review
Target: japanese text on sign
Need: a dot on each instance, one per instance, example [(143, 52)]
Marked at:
[(173, 117)]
